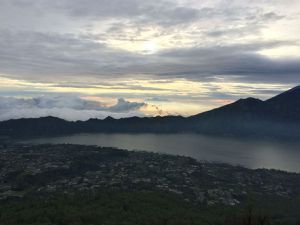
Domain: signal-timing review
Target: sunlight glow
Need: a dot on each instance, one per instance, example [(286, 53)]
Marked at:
[(285, 51), (150, 47)]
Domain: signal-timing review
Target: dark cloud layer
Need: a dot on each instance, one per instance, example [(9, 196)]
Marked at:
[(40, 56)]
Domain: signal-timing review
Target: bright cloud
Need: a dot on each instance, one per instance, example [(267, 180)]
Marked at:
[(66, 107)]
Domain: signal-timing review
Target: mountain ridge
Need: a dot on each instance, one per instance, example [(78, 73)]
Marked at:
[(278, 116)]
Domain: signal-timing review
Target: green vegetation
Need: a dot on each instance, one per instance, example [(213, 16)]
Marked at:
[(144, 208), (108, 207)]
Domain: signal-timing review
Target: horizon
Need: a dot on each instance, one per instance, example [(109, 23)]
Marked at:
[(77, 117), (135, 58)]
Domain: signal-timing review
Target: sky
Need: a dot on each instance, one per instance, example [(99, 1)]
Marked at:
[(96, 58)]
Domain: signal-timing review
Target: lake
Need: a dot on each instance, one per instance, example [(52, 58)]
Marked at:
[(248, 153)]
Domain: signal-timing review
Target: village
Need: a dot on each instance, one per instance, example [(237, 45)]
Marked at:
[(42, 169)]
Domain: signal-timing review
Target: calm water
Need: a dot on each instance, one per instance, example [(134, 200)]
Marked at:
[(249, 153)]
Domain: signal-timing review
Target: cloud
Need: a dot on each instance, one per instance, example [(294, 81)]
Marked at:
[(45, 57), (31, 54), (66, 107), (240, 60), (102, 47), (126, 106), (159, 12), (69, 40)]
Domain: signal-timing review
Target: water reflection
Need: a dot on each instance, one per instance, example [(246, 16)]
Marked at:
[(249, 153)]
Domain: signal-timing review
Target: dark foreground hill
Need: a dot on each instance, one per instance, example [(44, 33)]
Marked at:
[(276, 117)]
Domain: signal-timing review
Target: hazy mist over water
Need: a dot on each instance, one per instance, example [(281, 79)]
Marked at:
[(248, 153)]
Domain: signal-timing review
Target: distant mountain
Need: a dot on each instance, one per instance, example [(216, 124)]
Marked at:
[(283, 107), (277, 117), (286, 105)]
